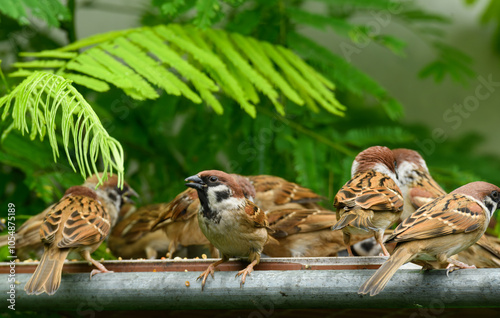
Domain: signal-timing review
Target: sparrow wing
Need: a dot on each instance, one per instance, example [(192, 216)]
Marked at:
[(183, 207), (291, 221), (139, 223), (425, 191), (255, 215), (370, 190), (450, 214), (282, 190), (87, 223)]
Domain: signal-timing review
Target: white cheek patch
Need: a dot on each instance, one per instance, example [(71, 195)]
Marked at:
[(354, 168), (406, 172), (379, 167), (229, 203)]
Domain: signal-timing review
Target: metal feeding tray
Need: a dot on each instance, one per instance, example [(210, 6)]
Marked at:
[(276, 283)]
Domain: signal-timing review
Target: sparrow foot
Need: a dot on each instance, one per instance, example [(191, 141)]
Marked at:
[(454, 265), (246, 272), (204, 275), (99, 271)]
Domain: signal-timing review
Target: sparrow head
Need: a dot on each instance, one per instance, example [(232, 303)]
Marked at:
[(377, 158), (111, 194), (484, 192), (217, 191), (412, 171), (82, 191)]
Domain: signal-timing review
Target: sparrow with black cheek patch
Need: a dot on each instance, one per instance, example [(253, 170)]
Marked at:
[(132, 237), (371, 201), (77, 222), (304, 233), (416, 183), (232, 223), (438, 230)]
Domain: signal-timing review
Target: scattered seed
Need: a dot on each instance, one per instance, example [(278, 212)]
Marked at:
[(120, 258), (204, 256), (187, 283)]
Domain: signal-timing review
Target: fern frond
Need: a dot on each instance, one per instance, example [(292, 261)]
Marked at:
[(38, 99), (197, 64)]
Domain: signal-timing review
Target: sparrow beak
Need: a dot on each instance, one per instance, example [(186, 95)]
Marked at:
[(195, 182), (129, 193)]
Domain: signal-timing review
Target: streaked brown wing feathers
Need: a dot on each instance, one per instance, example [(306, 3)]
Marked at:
[(87, 224), (450, 214), (370, 191), (292, 221)]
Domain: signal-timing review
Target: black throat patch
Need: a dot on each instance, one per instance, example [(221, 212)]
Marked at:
[(206, 211)]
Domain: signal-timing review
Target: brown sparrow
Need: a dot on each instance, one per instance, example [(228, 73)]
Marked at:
[(28, 241), (78, 222), (416, 183), (304, 233), (438, 230), (371, 201), (131, 237), (232, 223)]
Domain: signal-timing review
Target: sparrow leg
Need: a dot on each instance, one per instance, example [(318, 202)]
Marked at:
[(210, 270), (347, 242), (248, 269), (101, 269), (455, 264), (151, 253), (379, 235), (171, 249), (214, 253)]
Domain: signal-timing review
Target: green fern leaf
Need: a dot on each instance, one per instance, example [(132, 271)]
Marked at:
[(194, 63), (38, 98), (40, 64)]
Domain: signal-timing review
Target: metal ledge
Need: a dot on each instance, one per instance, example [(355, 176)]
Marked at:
[(264, 289)]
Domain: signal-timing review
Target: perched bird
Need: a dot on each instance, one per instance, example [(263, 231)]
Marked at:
[(132, 237), (416, 183), (179, 218), (28, 243), (438, 230), (78, 222), (484, 254), (371, 201), (232, 223), (304, 233)]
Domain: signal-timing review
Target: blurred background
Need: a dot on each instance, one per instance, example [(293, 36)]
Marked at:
[(416, 74)]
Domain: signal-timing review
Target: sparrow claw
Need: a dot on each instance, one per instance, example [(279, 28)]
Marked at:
[(97, 271), (204, 276), (244, 272)]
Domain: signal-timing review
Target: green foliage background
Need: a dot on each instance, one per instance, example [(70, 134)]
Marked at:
[(166, 137)]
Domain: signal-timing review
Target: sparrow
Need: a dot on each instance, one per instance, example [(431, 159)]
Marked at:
[(27, 236), (304, 233), (438, 230), (79, 222), (416, 183), (132, 237), (371, 201), (235, 225), (179, 219)]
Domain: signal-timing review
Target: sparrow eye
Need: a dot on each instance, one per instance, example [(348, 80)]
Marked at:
[(213, 179), (495, 195)]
